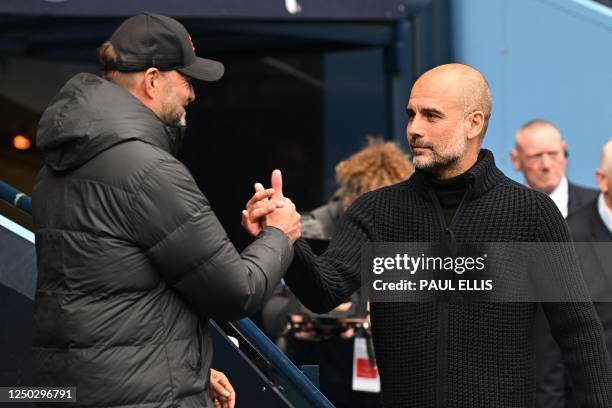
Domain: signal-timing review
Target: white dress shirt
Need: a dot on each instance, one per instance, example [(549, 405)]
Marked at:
[(605, 212), (560, 196)]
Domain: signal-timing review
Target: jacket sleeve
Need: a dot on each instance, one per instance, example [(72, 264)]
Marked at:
[(176, 227), (323, 282), (574, 324)]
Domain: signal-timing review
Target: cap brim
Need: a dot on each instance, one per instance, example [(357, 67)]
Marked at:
[(204, 70)]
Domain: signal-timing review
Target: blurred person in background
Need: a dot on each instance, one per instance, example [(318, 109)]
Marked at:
[(132, 261), (593, 223), (328, 339), (541, 154)]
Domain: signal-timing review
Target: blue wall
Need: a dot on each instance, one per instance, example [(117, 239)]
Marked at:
[(355, 106), (549, 59)]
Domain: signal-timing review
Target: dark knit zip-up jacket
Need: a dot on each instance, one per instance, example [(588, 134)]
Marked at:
[(457, 354)]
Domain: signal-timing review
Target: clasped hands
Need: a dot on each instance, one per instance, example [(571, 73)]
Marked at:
[(268, 207)]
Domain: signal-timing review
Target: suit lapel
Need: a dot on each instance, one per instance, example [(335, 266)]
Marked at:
[(601, 243), (573, 199), (578, 197), (599, 231)]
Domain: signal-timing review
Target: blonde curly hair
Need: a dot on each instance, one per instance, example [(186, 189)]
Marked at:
[(378, 164)]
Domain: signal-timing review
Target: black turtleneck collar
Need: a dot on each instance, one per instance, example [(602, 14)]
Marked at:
[(451, 191)]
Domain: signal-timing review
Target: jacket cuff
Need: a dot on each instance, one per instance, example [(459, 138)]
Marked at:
[(279, 240)]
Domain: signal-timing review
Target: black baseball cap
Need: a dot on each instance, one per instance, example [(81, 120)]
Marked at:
[(149, 40)]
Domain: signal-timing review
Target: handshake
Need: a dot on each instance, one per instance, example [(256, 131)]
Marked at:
[(269, 208)]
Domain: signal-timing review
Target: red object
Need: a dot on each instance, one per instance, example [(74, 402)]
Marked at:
[(365, 369)]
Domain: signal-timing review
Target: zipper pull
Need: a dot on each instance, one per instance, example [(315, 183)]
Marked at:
[(451, 241)]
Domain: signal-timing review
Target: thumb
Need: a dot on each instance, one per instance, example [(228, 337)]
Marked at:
[(277, 184)]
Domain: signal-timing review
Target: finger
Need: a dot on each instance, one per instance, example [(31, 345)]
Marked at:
[(215, 387), (227, 387), (260, 195), (219, 389), (272, 204), (255, 214), (232, 397), (258, 187), (263, 204), (223, 387), (244, 221), (225, 391), (277, 183), (251, 228)]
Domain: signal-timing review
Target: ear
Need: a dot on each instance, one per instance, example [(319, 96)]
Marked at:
[(602, 180), (564, 147), (152, 83), (475, 123), (516, 162)]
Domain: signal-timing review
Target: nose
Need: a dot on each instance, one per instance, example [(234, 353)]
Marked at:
[(545, 161), (413, 128), (191, 96)]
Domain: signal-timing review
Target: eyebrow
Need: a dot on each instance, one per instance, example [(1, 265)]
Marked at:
[(426, 111)]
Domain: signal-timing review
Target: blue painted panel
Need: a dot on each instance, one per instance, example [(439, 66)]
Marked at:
[(543, 58), (17, 286), (355, 106), (17, 258)]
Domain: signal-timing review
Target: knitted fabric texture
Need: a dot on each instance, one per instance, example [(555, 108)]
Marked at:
[(454, 354)]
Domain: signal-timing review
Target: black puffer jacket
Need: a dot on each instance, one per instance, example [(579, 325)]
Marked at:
[(132, 260)]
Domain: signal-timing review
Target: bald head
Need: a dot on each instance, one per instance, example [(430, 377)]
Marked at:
[(604, 174), (537, 130), (467, 86), (606, 158), (540, 155), (449, 109)]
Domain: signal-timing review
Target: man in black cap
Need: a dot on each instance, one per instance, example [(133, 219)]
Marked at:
[(132, 260)]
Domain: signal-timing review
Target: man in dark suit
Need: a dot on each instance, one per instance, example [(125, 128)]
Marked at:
[(593, 224), (541, 155)]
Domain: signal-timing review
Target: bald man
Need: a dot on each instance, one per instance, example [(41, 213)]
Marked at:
[(447, 352), (541, 155)]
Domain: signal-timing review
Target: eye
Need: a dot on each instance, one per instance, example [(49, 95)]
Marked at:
[(187, 80)]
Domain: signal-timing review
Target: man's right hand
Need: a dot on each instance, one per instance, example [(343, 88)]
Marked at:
[(283, 216)]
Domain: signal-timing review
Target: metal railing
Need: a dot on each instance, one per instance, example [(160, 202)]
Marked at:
[(15, 197)]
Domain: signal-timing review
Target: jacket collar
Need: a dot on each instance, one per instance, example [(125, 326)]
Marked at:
[(89, 115), (173, 138)]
